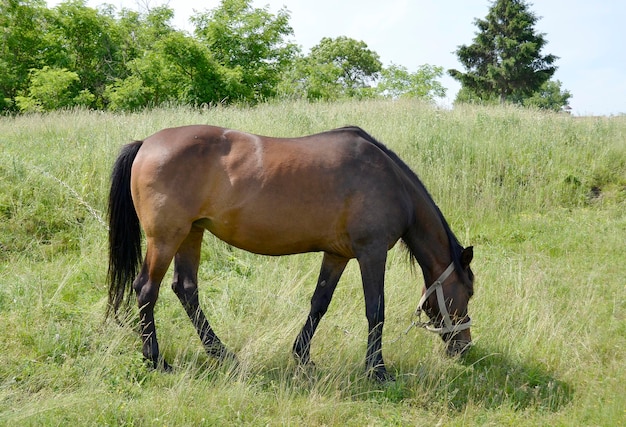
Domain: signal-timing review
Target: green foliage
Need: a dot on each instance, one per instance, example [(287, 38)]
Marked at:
[(83, 40), (248, 42), (505, 59), (238, 54), (126, 60), (357, 65), (148, 79), (334, 69), (541, 196), (549, 97), (308, 80), (466, 95), (22, 45), (398, 82), (52, 89), (129, 94), (194, 75)]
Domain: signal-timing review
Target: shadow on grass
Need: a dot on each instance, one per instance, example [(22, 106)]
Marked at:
[(493, 379), (486, 379), (482, 378)]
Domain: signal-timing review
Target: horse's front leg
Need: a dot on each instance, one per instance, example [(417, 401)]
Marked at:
[(373, 274)]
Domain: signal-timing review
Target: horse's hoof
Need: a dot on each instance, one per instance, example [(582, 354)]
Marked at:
[(458, 348), (159, 365), (304, 363), (227, 356), (307, 368), (302, 358), (380, 375)]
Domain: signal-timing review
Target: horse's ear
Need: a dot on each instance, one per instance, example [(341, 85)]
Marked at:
[(466, 256)]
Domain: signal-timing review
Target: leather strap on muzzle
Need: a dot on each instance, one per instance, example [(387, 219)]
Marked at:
[(437, 287)]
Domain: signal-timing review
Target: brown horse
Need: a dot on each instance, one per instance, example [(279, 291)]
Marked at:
[(339, 192)]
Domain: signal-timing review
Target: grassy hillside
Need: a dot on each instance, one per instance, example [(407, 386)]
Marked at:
[(542, 197)]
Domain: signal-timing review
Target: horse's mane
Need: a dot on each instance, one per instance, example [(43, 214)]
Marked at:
[(455, 246)]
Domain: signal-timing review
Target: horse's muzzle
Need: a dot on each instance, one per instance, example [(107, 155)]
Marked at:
[(459, 344)]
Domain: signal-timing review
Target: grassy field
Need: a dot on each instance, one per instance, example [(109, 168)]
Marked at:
[(542, 197)]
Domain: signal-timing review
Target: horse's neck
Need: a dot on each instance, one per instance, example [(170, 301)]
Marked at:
[(428, 241)]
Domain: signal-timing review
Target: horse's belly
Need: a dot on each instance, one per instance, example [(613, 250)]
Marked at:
[(278, 236)]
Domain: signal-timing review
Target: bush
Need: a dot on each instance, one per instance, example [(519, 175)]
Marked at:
[(51, 89)]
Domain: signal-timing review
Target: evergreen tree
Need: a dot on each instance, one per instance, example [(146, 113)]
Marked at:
[(505, 60)]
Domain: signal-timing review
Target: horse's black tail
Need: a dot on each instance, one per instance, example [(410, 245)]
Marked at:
[(124, 231)]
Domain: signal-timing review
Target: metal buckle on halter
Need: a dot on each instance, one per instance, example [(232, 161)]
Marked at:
[(437, 287)]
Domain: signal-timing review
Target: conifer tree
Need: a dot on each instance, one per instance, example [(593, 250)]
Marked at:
[(505, 61)]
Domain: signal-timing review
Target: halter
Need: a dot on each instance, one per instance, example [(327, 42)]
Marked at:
[(437, 287)]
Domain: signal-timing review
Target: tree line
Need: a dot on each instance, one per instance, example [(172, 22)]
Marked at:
[(124, 60)]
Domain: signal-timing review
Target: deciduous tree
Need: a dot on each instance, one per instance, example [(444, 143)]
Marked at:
[(51, 89), (397, 82), (335, 68), (551, 96), (23, 25), (251, 42)]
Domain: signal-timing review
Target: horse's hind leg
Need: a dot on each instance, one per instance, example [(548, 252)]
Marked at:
[(146, 286), (185, 286), (332, 268)]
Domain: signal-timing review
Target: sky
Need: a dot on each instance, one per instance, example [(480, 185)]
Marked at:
[(589, 37)]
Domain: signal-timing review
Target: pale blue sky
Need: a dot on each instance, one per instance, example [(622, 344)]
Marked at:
[(589, 37)]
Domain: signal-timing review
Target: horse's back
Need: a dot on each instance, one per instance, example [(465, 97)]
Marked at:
[(270, 195)]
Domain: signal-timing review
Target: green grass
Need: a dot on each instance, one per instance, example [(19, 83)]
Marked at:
[(542, 197)]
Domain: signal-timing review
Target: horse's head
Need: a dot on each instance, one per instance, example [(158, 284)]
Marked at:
[(445, 302)]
